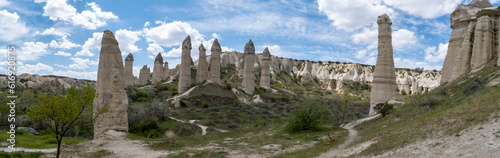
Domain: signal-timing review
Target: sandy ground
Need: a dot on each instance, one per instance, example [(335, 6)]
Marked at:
[(342, 151), (118, 144)]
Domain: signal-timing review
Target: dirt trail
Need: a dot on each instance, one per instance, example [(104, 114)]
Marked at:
[(51, 150), (342, 151), (203, 128)]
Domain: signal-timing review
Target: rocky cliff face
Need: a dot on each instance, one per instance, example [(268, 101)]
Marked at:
[(45, 82), (331, 74)]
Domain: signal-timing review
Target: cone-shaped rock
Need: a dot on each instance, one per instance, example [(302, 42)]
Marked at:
[(265, 69), (202, 73), (185, 70), (110, 88), (248, 83), (128, 70), (158, 69), (214, 75), (144, 75), (384, 76)]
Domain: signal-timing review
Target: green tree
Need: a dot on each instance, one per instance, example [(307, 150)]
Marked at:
[(307, 118), (62, 113), (383, 108)]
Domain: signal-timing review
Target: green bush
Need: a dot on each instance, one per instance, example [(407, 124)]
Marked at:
[(148, 129), (384, 108), (474, 85), (430, 102), (307, 118)]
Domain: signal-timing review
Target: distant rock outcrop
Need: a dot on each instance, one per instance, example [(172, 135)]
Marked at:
[(202, 71), (384, 77), (158, 70), (265, 72), (45, 82), (248, 83), (128, 72), (473, 41), (185, 69), (144, 75), (110, 91), (215, 62)]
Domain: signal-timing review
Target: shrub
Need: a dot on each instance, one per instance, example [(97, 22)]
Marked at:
[(383, 108), (441, 91), (474, 85), (307, 118), (148, 129), (430, 102)]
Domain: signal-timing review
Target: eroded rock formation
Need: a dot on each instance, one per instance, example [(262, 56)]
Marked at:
[(265, 70), (248, 84), (144, 75), (128, 70), (474, 39), (215, 62), (110, 92), (158, 70), (384, 76), (202, 72), (166, 71), (185, 69)]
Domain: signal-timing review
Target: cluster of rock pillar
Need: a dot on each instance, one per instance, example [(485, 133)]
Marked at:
[(474, 40), (384, 76), (110, 92)]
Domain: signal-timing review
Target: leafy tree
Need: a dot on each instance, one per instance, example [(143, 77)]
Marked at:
[(306, 118), (62, 113)]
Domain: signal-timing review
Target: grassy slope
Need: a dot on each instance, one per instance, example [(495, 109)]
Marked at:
[(452, 112)]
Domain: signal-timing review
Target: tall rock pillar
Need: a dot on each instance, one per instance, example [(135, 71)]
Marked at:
[(202, 73), (265, 69), (128, 70), (462, 63), (214, 75), (110, 88), (144, 75), (185, 70), (248, 83), (158, 71), (483, 43), (384, 77)]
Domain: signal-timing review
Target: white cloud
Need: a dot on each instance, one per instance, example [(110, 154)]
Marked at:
[(433, 54), (403, 38), (4, 3), (38, 68), (172, 34), (92, 44), (154, 48), (53, 31), (146, 24), (80, 63), (428, 9), (409, 63), (63, 43), (127, 40), (61, 53), (90, 75), (11, 27), (174, 52), (88, 19), (274, 50), (367, 36), (351, 15), (31, 51)]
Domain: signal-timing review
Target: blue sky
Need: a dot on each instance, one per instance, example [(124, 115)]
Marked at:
[(62, 37)]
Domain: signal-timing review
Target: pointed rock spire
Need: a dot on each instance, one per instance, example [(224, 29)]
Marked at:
[(214, 74), (185, 69), (110, 88), (202, 73), (159, 58), (129, 57), (128, 70), (265, 70), (144, 75), (248, 68), (158, 69)]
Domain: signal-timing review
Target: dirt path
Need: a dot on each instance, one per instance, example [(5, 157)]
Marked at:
[(342, 151), (51, 150), (203, 128)]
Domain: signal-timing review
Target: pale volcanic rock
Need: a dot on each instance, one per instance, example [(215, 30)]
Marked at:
[(265, 73), (384, 77), (110, 92), (202, 71), (248, 84), (185, 67), (45, 82), (144, 75), (472, 42), (166, 71), (128, 70), (158, 71), (215, 62)]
